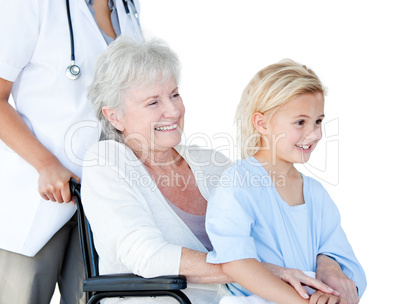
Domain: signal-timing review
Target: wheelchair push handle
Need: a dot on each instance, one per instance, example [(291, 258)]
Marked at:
[(74, 186)]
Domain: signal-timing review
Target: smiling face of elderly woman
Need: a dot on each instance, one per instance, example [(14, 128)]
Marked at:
[(152, 119), (135, 96)]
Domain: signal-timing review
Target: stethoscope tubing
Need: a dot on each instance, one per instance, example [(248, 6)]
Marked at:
[(134, 16), (70, 27), (73, 71)]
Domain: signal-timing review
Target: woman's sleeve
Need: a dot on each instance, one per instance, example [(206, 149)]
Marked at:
[(334, 243), (20, 25), (124, 229), (229, 221)]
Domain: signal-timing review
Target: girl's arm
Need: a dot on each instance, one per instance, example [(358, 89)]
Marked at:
[(193, 265), (53, 176), (253, 276), (196, 270)]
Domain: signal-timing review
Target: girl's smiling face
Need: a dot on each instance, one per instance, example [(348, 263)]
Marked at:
[(294, 130)]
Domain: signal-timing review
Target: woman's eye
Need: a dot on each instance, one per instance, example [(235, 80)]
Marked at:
[(152, 103), (300, 122), (176, 95), (318, 122)]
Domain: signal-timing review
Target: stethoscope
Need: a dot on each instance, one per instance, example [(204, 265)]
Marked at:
[(73, 71)]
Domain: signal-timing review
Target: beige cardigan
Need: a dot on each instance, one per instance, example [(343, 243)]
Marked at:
[(135, 230)]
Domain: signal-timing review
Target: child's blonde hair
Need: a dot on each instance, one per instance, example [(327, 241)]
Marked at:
[(269, 89)]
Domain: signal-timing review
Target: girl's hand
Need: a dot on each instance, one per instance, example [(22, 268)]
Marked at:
[(320, 297), (53, 183), (298, 279)]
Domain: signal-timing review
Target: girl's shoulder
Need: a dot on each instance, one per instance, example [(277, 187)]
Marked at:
[(312, 184), (245, 176), (247, 165), (315, 192)]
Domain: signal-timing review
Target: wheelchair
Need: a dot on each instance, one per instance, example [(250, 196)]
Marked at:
[(98, 287)]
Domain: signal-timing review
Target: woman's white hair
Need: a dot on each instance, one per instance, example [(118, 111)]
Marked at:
[(128, 65)]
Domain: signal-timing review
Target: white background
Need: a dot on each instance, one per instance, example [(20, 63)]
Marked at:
[(355, 48)]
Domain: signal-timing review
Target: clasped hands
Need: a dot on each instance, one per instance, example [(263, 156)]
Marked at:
[(332, 285)]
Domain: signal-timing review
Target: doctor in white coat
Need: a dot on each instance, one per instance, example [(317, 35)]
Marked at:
[(43, 139)]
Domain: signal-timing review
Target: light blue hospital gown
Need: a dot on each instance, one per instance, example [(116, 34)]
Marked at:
[(247, 218)]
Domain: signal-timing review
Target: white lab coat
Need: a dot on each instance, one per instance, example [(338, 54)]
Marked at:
[(34, 54)]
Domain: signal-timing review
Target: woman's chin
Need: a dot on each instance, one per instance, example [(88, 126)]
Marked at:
[(167, 142)]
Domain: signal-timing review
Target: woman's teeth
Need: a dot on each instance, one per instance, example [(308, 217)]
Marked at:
[(174, 126), (304, 147)]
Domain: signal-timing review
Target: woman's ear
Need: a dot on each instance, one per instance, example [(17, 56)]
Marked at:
[(114, 118), (260, 122)]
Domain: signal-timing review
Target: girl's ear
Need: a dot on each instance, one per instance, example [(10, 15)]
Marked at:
[(114, 118), (260, 123)]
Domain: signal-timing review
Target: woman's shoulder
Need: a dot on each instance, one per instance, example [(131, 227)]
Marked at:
[(103, 148), (201, 153), (110, 153), (203, 157)]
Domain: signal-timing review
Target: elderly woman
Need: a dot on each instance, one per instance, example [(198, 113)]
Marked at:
[(144, 195)]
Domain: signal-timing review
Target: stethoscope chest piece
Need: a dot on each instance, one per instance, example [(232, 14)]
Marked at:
[(73, 71)]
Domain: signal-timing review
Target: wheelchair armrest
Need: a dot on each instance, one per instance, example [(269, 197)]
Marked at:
[(131, 282)]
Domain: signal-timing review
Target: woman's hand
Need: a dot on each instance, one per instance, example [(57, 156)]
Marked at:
[(53, 183), (298, 279), (329, 272), (320, 297)]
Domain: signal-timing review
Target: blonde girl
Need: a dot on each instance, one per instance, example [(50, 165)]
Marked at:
[(265, 210)]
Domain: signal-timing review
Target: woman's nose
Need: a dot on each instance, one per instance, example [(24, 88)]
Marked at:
[(171, 110)]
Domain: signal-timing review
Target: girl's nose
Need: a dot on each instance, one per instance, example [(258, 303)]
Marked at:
[(315, 134)]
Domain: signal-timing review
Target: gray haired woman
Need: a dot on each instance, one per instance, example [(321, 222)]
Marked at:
[(144, 194)]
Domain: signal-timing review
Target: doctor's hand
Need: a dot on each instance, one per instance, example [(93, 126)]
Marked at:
[(329, 271), (298, 279), (53, 183)]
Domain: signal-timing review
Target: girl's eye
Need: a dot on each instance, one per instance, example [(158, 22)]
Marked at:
[(300, 122), (318, 121)]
